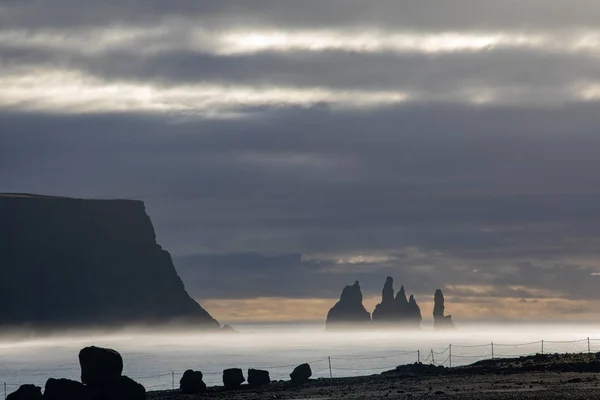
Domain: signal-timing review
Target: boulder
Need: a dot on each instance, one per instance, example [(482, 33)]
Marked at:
[(301, 373), (233, 378), (191, 382), (258, 377), (65, 389), (124, 388), (100, 367), (26, 392), (349, 310)]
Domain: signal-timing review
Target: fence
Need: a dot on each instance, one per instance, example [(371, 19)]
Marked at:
[(340, 366)]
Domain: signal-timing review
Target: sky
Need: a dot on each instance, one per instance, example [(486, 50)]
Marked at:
[(285, 149)]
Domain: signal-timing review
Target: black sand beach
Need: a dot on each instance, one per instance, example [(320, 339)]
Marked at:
[(563, 376)]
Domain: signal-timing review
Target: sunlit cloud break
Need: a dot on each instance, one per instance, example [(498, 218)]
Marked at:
[(71, 91), (65, 92), (184, 36), (373, 41)]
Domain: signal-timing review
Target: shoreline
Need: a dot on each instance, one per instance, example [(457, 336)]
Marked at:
[(549, 376)]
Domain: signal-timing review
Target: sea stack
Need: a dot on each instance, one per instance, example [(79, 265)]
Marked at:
[(75, 263), (440, 321), (386, 310), (396, 311), (349, 311)]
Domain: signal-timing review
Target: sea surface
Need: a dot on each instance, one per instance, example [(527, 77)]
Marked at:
[(158, 360)]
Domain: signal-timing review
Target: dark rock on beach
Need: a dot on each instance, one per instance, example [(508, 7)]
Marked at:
[(65, 389), (102, 380), (233, 378), (191, 382), (26, 392), (100, 366), (301, 373), (101, 371), (124, 389), (546, 377), (349, 310), (258, 377)]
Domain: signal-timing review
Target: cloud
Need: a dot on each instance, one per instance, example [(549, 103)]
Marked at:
[(287, 149)]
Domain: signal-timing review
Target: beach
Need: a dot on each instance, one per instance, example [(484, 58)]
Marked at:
[(535, 377)]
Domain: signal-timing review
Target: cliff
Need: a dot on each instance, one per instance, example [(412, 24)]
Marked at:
[(349, 310), (440, 321), (396, 310), (82, 263)]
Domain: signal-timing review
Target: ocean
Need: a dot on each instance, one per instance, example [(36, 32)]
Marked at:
[(158, 360)]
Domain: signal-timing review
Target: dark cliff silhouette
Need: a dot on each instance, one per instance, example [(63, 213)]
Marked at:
[(440, 321), (396, 310), (87, 263), (349, 310)]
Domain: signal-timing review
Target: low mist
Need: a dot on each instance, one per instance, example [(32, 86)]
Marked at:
[(159, 359)]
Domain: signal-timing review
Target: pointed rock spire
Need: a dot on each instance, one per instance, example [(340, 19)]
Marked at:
[(397, 310), (401, 297), (440, 321), (387, 294), (349, 310), (414, 311)]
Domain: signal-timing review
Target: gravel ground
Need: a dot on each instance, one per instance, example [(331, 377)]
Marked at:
[(529, 385), (567, 376)]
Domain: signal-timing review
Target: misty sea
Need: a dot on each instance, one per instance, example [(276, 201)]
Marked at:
[(158, 360)]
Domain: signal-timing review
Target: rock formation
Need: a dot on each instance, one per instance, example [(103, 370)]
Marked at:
[(414, 311), (233, 378), (100, 366), (301, 373), (87, 263), (26, 392), (258, 377), (349, 310), (440, 321), (65, 389), (101, 376), (386, 310), (192, 382), (397, 311)]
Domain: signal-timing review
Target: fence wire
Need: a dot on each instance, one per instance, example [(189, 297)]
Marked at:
[(334, 369)]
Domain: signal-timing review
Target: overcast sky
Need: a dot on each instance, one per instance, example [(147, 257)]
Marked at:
[(285, 149)]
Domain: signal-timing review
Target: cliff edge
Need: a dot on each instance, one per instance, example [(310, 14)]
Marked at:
[(87, 263)]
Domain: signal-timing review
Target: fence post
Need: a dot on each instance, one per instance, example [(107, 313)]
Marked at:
[(432, 359), (419, 356), (542, 346), (329, 359), (589, 350), (450, 357), (492, 350), (173, 380), (4, 390)]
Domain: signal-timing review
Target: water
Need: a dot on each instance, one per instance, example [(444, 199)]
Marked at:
[(151, 358)]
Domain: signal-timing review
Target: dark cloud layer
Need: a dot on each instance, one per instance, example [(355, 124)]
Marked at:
[(510, 192), (289, 171), (429, 14)]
